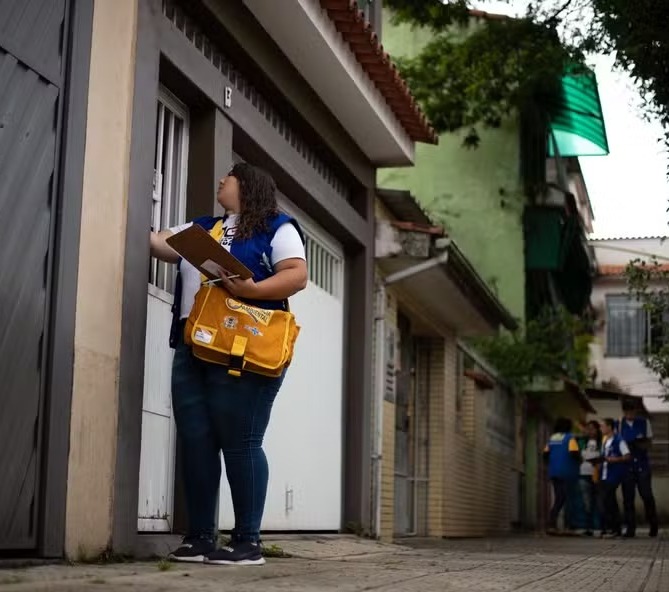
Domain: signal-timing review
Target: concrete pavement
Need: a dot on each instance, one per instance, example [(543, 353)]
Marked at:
[(527, 564)]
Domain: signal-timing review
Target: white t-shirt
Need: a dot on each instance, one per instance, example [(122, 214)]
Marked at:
[(286, 244), (590, 451)]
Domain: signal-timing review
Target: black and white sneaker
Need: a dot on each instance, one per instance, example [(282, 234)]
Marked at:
[(193, 550), (237, 553)]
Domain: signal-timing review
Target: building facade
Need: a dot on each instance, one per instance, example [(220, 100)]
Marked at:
[(518, 207), (447, 448), (623, 333), (145, 104)]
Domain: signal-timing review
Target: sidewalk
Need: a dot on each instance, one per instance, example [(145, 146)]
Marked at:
[(527, 564)]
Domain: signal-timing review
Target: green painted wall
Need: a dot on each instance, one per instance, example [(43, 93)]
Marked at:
[(475, 193)]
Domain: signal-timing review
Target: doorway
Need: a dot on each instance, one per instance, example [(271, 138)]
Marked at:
[(411, 432), (156, 477)]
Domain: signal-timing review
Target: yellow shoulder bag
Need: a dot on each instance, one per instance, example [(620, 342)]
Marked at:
[(223, 330)]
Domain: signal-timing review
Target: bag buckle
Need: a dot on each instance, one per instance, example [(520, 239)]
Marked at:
[(237, 352)]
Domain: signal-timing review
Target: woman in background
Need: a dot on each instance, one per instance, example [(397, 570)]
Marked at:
[(591, 446)]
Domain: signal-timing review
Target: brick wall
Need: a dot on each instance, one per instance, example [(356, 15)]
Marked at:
[(388, 473), (388, 460), (478, 482), (437, 439)]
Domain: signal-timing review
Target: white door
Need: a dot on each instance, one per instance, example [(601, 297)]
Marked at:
[(156, 476), (304, 439)]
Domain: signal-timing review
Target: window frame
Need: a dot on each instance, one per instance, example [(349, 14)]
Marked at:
[(159, 272), (645, 340)]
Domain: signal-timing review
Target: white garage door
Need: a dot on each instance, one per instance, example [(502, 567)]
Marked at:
[(304, 438)]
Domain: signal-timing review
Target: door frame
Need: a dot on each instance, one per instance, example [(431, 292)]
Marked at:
[(59, 376)]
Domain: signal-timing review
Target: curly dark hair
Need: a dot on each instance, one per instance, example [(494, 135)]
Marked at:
[(257, 199)]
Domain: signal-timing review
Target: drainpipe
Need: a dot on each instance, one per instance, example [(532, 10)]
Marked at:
[(380, 370)]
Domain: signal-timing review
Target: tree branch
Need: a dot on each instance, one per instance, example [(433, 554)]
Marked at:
[(565, 6)]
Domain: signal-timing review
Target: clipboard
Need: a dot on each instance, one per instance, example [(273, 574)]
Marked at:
[(197, 246)]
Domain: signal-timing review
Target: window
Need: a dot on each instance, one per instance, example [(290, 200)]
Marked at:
[(626, 327), (631, 331), (169, 179)]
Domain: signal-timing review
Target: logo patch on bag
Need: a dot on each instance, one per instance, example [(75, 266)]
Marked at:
[(257, 314), (253, 330), (230, 322), (203, 335)]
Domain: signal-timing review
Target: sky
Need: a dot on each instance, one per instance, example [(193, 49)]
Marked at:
[(629, 189)]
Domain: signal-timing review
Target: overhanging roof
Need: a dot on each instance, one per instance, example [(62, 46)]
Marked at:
[(446, 293), (451, 289), (577, 124), (339, 56), (609, 395), (580, 394), (402, 205)]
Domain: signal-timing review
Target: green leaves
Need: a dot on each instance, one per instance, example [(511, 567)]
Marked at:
[(435, 15), (555, 345), (479, 72), (648, 282), (475, 72)]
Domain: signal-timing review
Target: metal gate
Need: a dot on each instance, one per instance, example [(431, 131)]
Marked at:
[(32, 63), (156, 473), (411, 432)]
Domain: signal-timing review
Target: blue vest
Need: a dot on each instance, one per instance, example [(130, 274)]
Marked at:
[(638, 429), (254, 252), (561, 465), (614, 473)]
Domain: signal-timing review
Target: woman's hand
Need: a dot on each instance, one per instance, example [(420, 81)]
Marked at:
[(241, 288), (160, 249), (290, 276)]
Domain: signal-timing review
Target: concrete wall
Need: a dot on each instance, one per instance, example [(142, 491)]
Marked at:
[(476, 193), (99, 303)]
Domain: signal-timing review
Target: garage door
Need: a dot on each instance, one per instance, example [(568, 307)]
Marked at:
[(31, 92), (304, 438)]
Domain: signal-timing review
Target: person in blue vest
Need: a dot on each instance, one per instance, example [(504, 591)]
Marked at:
[(563, 456), (637, 432), (614, 460), (217, 412)]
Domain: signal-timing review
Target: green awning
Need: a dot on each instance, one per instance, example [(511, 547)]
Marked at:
[(577, 124)]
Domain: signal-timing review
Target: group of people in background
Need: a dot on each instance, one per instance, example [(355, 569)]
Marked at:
[(588, 468)]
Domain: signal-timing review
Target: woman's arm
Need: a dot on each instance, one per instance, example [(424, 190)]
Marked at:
[(160, 249), (290, 276)]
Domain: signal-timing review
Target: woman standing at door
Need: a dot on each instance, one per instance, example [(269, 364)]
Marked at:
[(217, 412)]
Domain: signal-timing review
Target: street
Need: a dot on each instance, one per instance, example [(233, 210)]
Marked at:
[(527, 563)]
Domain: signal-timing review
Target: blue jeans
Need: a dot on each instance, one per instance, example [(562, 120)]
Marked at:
[(590, 501), (217, 412)]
